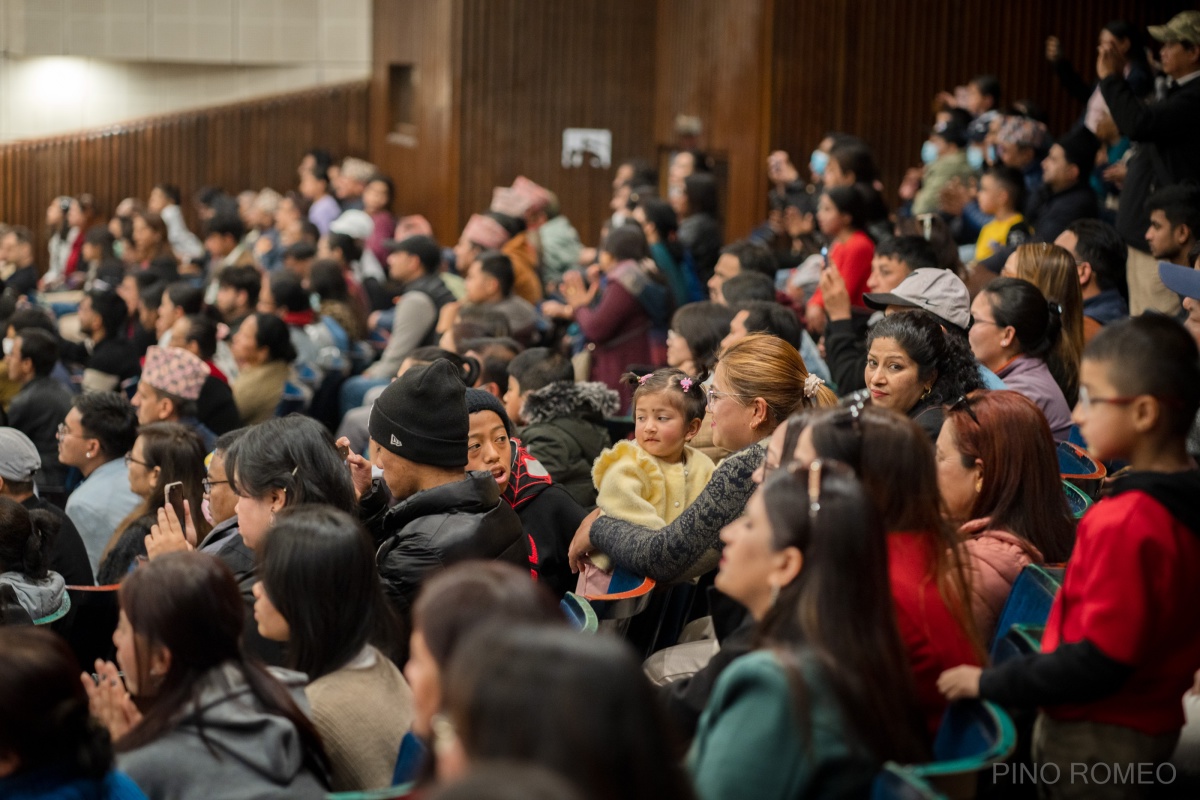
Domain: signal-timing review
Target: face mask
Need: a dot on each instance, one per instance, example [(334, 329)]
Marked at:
[(8, 345), (929, 152), (992, 157), (975, 158), (206, 511), (818, 161)]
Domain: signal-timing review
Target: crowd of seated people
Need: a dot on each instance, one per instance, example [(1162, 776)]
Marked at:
[(332, 472)]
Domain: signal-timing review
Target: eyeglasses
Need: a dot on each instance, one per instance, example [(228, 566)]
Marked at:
[(62, 432), (207, 485), (129, 459), (963, 403), (977, 321), (1086, 401), (712, 395)]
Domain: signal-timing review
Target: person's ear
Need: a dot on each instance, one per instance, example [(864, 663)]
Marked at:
[(1147, 411), (164, 408), (160, 664), (153, 476), (693, 428), (788, 563), (760, 412), (1085, 273), (1008, 335), (1182, 234), (278, 499), (492, 388), (978, 470)]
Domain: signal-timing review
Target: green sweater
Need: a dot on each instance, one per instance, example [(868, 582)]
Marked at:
[(750, 745)]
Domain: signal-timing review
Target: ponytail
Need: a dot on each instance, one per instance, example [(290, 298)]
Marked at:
[(1054, 330), (1036, 321), (43, 528), (25, 539)]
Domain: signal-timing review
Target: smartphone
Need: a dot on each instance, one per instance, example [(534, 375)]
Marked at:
[(825, 257), (343, 451), (174, 495)]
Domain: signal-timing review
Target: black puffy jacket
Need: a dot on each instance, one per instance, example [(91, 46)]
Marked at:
[(438, 527)]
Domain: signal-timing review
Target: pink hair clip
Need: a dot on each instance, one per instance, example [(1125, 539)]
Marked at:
[(685, 384), (642, 380)]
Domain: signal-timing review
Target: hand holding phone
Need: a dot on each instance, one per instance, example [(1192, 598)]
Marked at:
[(174, 496)]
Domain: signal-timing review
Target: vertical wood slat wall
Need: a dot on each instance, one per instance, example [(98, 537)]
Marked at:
[(246, 145), (872, 69)]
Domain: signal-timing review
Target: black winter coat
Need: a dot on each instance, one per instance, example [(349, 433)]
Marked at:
[(438, 527)]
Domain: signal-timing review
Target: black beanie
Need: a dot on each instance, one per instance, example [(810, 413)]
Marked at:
[(479, 400), (422, 416)]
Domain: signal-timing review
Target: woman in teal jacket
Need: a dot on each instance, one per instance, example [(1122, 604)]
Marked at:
[(828, 696)]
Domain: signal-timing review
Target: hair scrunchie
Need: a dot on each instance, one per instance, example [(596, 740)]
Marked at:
[(811, 385)]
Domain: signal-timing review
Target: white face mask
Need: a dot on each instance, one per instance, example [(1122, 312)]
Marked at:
[(8, 345), (206, 510)]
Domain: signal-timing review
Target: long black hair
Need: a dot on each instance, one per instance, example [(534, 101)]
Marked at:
[(659, 213), (949, 358), (293, 453), (879, 444), (44, 716), (839, 609), (190, 604), (320, 552)]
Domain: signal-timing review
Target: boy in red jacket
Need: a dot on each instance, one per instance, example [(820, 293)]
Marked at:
[(1123, 638)]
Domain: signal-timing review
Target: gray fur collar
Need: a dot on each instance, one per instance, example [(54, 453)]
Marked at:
[(591, 400)]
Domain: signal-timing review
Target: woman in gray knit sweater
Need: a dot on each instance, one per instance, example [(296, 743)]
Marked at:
[(757, 384)]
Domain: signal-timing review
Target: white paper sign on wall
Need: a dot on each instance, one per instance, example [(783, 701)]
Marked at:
[(592, 146)]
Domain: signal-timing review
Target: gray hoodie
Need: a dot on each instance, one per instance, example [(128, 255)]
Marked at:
[(39, 598), (250, 755)]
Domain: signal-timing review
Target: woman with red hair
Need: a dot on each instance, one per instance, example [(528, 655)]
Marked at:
[(998, 476)]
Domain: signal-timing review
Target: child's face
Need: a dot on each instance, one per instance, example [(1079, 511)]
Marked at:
[(1107, 425), (829, 218), (660, 428), (989, 195), (488, 448)]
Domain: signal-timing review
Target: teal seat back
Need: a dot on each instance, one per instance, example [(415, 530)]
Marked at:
[(1030, 599)]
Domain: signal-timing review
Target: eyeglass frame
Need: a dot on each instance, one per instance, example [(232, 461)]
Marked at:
[(129, 459), (712, 395), (207, 485), (964, 403), (1086, 401), (62, 432)]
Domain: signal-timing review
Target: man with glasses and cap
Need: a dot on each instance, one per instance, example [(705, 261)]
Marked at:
[(19, 462)]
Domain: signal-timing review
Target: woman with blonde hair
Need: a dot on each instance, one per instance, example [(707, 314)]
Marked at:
[(757, 384), (1052, 269)]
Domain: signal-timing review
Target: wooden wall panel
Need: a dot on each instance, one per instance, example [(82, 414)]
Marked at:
[(243, 146), (713, 62), (424, 161), (872, 69), (531, 68)]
